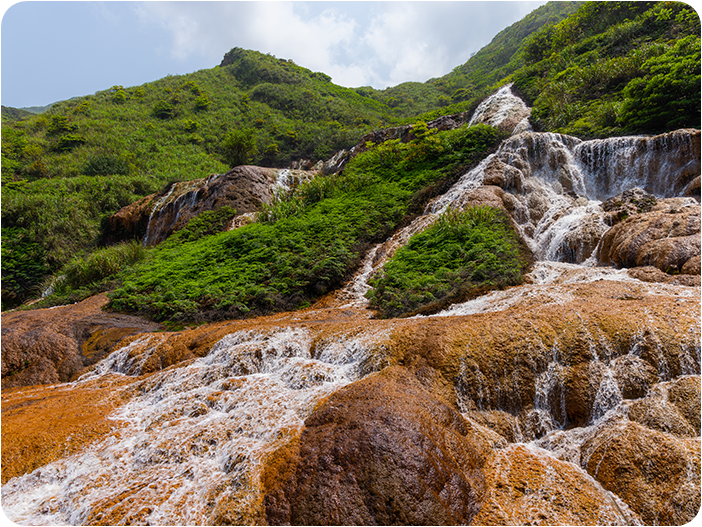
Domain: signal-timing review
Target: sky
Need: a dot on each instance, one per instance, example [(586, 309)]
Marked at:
[(52, 50)]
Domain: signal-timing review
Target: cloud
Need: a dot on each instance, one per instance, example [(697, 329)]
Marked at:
[(357, 43)]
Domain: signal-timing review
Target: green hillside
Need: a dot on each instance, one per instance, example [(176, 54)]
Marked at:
[(592, 69)]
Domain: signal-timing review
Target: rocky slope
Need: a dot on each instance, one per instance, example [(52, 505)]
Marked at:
[(243, 188)]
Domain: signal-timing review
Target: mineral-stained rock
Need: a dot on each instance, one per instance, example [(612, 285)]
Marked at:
[(666, 239), (42, 424), (527, 486), (655, 473), (656, 413), (630, 202), (692, 266), (382, 451), (634, 376), (128, 223), (54, 345), (244, 188), (684, 393)]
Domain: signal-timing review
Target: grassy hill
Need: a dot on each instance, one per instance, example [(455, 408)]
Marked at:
[(591, 69)]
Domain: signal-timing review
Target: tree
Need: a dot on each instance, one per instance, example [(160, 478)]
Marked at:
[(239, 147)]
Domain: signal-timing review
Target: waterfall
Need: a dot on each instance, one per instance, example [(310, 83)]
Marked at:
[(196, 435)]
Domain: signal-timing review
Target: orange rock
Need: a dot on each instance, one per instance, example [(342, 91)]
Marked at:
[(527, 486), (47, 346), (382, 451), (656, 474), (41, 424)]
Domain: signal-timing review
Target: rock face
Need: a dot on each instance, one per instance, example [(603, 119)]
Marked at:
[(383, 451), (666, 239), (54, 345), (527, 486), (244, 188), (327, 416)]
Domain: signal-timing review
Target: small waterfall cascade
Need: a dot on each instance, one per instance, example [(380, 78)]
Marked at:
[(555, 185), (557, 376), (287, 180), (166, 212), (195, 437), (503, 109)]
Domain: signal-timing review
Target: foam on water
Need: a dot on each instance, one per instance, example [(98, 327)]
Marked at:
[(196, 435)]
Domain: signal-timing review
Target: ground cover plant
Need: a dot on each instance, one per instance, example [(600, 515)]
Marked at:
[(463, 254), (615, 68), (306, 244)]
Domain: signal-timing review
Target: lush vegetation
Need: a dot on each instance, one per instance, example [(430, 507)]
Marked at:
[(591, 69), (614, 68), (463, 254), (307, 243)]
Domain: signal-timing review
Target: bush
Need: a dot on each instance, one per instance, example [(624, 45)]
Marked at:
[(69, 142), (86, 276), (463, 253), (164, 110), (105, 165), (239, 147)]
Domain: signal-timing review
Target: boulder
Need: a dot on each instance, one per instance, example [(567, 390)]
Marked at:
[(655, 473), (381, 451), (244, 188), (666, 239), (527, 486)]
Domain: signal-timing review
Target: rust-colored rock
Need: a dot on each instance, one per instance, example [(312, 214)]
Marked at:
[(47, 346), (665, 239), (656, 474), (244, 188), (43, 424), (382, 451), (128, 223), (527, 486)]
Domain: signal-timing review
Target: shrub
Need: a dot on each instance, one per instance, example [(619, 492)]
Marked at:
[(239, 147), (164, 110), (59, 124), (202, 102), (91, 274), (461, 254), (105, 165), (69, 142)]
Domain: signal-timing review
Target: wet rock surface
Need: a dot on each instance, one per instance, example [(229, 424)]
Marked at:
[(666, 239), (244, 188), (527, 486), (649, 470), (421, 429), (48, 346), (383, 451)]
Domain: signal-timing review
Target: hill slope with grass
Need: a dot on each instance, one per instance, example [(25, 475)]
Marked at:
[(592, 69)]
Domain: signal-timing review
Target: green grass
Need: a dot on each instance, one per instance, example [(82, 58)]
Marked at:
[(461, 255), (306, 244)]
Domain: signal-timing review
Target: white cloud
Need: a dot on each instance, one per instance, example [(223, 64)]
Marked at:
[(356, 43)]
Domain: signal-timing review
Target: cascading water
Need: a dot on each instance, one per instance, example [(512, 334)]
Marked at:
[(196, 435)]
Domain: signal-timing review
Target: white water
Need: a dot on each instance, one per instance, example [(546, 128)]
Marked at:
[(196, 435)]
